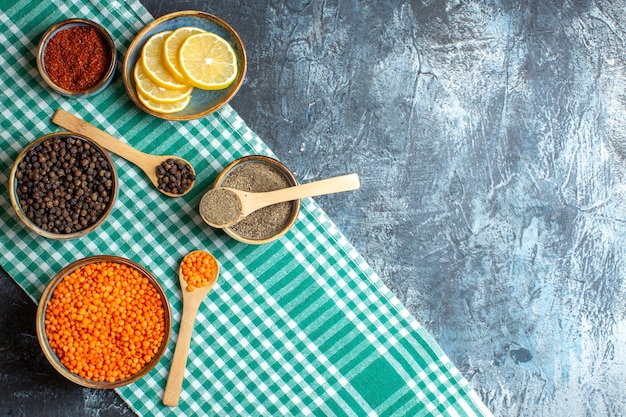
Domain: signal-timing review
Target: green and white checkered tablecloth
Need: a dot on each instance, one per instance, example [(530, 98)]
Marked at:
[(298, 327)]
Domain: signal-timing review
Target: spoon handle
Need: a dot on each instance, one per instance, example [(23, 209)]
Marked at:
[(179, 361), (75, 124), (327, 186)]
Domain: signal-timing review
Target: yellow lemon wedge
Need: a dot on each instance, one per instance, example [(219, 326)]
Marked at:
[(151, 58), (170, 49), (164, 108), (207, 61), (155, 92)]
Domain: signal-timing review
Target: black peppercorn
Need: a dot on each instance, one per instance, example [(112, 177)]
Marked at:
[(175, 176), (56, 185)]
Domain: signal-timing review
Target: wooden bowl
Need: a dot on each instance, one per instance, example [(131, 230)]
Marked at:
[(68, 24), (17, 204), (41, 322), (278, 166)]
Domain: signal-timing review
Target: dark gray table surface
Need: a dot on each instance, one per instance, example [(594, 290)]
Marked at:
[(490, 137)]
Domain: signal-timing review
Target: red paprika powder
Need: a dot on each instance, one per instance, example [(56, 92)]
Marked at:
[(77, 58)]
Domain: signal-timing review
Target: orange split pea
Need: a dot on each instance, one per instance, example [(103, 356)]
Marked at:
[(105, 321), (199, 268)]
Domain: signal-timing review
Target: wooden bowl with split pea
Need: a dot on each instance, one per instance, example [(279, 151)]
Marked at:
[(103, 322)]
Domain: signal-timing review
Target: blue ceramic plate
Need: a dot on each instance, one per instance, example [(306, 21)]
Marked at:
[(203, 102)]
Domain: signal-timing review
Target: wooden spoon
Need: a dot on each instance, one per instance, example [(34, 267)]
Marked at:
[(222, 207), (191, 302), (146, 162)]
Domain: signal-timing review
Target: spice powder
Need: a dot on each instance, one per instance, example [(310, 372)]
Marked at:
[(259, 177), (77, 58), (220, 206)]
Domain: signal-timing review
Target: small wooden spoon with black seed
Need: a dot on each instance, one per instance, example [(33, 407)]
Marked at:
[(146, 162)]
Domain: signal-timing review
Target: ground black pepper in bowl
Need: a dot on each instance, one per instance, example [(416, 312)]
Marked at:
[(175, 176), (64, 185), (258, 173)]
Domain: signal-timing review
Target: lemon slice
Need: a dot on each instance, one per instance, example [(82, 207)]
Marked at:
[(154, 92), (170, 49), (164, 108), (207, 61), (153, 63)]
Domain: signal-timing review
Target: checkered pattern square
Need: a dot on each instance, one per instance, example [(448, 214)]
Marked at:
[(301, 326)]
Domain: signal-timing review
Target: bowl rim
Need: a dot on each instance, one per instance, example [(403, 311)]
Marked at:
[(290, 176), (173, 116), (15, 203), (43, 43), (41, 328)]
